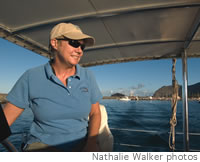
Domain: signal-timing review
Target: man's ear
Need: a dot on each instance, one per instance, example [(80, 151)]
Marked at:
[(54, 43)]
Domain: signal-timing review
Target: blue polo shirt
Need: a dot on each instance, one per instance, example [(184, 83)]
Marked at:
[(60, 112)]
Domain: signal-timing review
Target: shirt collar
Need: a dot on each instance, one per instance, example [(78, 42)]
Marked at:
[(49, 70), (78, 71), (50, 73)]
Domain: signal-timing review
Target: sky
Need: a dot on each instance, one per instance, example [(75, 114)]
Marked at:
[(139, 78)]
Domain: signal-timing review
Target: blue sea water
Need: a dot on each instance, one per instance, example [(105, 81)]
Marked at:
[(135, 125)]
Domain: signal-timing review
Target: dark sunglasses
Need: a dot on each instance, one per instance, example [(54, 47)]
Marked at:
[(74, 43)]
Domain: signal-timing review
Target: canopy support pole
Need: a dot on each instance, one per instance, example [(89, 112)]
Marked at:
[(185, 102)]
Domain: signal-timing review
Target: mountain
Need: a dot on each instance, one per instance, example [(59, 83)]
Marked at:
[(166, 91), (194, 90), (117, 95)]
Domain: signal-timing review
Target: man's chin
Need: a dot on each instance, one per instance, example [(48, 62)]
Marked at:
[(74, 63)]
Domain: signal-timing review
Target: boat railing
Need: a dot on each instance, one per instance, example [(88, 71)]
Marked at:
[(147, 147)]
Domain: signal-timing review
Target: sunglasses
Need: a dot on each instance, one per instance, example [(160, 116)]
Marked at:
[(74, 43)]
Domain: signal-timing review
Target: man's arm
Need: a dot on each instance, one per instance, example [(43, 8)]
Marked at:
[(12, 112), (93, 131)]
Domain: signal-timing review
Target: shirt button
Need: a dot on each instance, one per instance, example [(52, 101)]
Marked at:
[(69, 80), (70, 87)]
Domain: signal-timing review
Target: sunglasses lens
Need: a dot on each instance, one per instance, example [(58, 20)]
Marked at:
[(76, 44), (82, 47)]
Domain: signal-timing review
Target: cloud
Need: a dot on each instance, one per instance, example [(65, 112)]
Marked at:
[(137, 90), (139, 86), (143, 93)]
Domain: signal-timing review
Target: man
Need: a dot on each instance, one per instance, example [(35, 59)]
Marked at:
[(61, 95)]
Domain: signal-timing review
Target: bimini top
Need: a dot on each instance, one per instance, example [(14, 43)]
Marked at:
[(125, 30)]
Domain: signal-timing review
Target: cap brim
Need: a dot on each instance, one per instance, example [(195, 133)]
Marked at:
[(88, 40)]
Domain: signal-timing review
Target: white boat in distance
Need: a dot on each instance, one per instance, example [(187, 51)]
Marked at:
[(125, 98)]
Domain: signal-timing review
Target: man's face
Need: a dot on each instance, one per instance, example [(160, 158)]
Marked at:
[(67, 53)]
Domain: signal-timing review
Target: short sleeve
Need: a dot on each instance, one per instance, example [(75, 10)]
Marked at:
[(96, 95), (19, 94)]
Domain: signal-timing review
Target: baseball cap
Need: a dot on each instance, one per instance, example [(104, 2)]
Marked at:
[(71, 31)]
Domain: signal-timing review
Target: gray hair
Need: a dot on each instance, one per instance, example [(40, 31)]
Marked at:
[(52, 51)]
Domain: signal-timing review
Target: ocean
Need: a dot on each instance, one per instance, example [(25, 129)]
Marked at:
[(135, 125)]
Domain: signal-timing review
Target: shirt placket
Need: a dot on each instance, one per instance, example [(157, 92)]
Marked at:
[(57, 81), (69, 85)]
